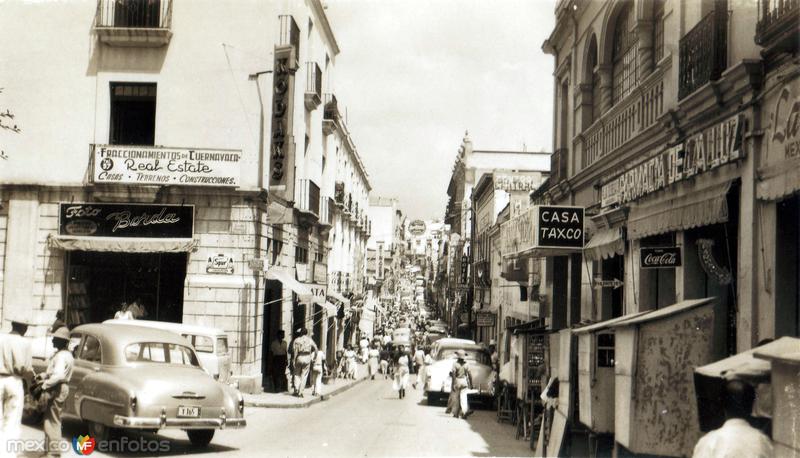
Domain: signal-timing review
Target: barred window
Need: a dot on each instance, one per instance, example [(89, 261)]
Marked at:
[(624, 57), (658, 31), (594, 80)]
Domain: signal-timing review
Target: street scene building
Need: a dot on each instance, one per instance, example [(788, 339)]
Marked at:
[(212, 211)]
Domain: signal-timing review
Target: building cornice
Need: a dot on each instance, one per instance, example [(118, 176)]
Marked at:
[(322, 21)]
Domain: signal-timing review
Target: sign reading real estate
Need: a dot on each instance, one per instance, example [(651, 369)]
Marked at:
[(159, 165), (558, 227), (660, 258), (706, 150), (125, 220)]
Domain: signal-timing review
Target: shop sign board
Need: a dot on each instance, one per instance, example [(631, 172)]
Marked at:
[(379, 263), (320, 272), (485, 319), (783, 134), (220, 264), (510, 182), (126, 220), (660, 258), (416, 227), (517, 234), (464, 270), (281, 176), (707, 150), (161, 165), (558, 227)]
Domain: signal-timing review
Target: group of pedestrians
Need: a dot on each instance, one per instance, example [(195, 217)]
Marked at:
[(51, 387), (295, 362)]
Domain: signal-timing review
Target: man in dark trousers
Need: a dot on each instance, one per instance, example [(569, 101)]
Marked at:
[(56, 384), (303, 348), (279, 350)]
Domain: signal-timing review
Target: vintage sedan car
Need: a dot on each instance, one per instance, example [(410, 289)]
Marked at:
[(135, 377), (438, 382)]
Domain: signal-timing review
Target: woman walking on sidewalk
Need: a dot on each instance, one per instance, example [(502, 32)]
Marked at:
[(350, 362), (374, 357), (401, 372)]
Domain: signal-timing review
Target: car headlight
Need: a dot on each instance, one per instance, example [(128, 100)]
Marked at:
[(241, 404), (133, 402)]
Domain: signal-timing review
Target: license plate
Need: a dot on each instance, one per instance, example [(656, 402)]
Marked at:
[(188, 411)]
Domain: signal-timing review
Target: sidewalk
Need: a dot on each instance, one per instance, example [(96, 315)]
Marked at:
[(287, 401)]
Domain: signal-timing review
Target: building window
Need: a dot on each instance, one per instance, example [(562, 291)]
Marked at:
[(593, 78), (624, 54), (658, 31), (277, 245), (133, 114), (300, 255), (605, 350), (523, 293)]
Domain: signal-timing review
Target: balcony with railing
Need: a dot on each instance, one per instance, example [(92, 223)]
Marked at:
[(558, 165), (339, 194), (289, 32), (307, 198), (331, 118), (778, 25), (632, 115), (144, 23), (348, 204), (326, 205), (703, 52), (313, 95)]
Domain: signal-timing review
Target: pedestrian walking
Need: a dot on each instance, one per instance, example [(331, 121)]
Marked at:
[(419, 360), (350, 362), (373, 361), (303, 348), (462, 381), (736, 438), (318, 369), (15, 365), (279, 351), (55, 385), (363, 346), (385, 356), (423, 371), (401, 372)]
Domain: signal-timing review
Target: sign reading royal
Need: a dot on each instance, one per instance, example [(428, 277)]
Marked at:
[(149, 165), (558, 227), (660, 258), (126, 220)]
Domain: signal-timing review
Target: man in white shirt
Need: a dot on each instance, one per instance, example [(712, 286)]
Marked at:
[(15, 364), (56, 384), (736, 438)]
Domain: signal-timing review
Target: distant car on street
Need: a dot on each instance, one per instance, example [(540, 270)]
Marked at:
[(136, 377), (211, 344), (438, 382)]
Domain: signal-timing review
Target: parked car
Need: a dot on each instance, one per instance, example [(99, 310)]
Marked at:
[(211, 344), (438, 382), (141, 378)]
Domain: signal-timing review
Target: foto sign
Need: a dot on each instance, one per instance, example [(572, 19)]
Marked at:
[(660, 258), (558, 226), (126, 220)]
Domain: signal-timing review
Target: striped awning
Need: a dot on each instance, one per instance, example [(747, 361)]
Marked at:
[(605, 244), (779, 180), (121, 244)]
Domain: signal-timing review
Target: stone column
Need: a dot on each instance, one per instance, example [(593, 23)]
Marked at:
[(644, 34), (604, 70)]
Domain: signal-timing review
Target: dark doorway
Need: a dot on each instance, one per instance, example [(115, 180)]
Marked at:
[(271, 324), (787, 268), (133, 114)]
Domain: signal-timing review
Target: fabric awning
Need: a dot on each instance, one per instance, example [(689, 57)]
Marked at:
[(331, 309), (665, 312), (685, 211), (605, 244), (779, 180), (287, 279), (121, 244), (339, 297)]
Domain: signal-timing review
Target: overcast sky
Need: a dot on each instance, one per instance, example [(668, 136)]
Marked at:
[(415, 74)]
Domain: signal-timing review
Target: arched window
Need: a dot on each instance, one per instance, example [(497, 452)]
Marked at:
[(593, 80), (624, 55), (658, 31)]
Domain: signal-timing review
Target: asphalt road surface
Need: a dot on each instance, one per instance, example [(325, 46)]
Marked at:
[(367, 421)]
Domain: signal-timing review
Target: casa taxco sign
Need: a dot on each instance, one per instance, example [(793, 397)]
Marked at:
[(707, 150), (160, 165), (544, 226)]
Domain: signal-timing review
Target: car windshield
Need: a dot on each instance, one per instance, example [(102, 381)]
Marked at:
[(472, 355), (203, 344), (160, 352)]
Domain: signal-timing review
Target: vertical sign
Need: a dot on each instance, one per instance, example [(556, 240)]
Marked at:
[(379, 262), (281, 177)]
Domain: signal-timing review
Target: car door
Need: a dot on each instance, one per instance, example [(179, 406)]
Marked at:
[(87, 361)]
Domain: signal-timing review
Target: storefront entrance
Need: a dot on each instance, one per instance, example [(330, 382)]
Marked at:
[(101, 283), (787, 268)]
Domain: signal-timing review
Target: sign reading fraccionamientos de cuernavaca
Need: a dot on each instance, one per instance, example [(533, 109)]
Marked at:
[(166, 166), (704, 151)]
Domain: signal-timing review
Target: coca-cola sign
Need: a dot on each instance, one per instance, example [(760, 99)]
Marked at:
[(660, 258)]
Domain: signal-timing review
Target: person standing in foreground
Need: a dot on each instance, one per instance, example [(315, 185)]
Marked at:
[(279, 349), (56, 384), (401, 372), (462, 379), (736, 438), (317, 371), (302, 350), (15, 364)]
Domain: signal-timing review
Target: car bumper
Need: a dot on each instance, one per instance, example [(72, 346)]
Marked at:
[(164, 422)]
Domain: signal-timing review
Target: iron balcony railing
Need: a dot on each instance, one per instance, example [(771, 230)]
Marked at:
[(331, 108), (308, 196), (776, 18), (325, 212), (313, 79), (703, 52), (290, 33), (143, 14), (338, 194), (558, 165)]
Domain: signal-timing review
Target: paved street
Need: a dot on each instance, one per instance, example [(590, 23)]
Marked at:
[(367, 420)]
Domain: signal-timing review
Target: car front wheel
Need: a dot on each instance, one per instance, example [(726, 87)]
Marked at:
[(99, 431), (200, 437)]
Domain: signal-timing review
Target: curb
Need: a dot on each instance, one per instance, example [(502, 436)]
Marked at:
[(304, 404)]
